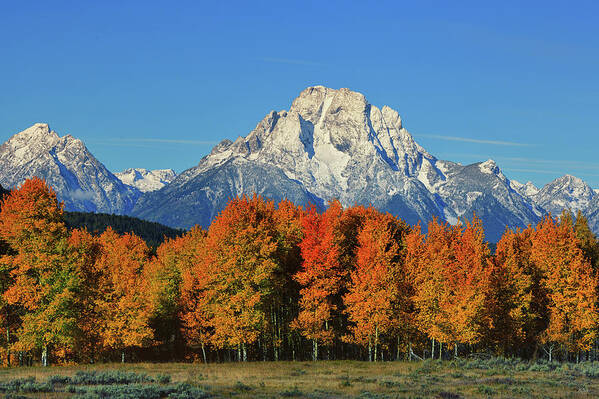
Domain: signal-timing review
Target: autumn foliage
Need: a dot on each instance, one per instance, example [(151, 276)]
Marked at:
[(277, 281)]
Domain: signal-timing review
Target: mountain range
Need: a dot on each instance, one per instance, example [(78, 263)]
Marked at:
[(329, 144)]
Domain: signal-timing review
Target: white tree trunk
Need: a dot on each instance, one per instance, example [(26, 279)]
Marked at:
[(45, 356), (376, 342)]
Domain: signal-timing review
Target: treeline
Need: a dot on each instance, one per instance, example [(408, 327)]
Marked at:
[(151, 232), (282, 282)]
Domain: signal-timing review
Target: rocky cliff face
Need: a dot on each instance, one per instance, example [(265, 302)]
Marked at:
[(330, 144), (566, 192), (334, 144), (78, 178)]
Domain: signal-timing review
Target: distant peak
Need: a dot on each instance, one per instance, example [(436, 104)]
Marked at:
[(39, 135), (37, 129), (40, 125), (569, 179), (314, 96), (490, 167)]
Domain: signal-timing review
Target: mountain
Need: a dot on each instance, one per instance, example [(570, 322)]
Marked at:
[(196, 199), (146, 180), (566, 192), (526, 190), (79, 179), (592, 214), (334, 144), (484, 190)]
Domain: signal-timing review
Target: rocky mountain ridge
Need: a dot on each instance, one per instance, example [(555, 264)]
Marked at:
[(334, 144), (79, 179), (329, 144)]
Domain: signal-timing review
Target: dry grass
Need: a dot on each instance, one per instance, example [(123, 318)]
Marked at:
[(347, 379)]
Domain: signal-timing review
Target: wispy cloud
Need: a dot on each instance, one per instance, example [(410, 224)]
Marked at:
[(290, 61), (471, 140)]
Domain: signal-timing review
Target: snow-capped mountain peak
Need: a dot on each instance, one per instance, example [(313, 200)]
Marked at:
[(332, 143), (146, 180), (566, 192), (78, 178)]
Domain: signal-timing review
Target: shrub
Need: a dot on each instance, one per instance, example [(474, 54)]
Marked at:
[(109, 377), (28, 384), (136, 391), (59, 380), (240, 386), (486, 390), (448, 395), (291, 393), (163, 379)]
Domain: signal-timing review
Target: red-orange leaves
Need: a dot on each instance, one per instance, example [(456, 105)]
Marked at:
[(451, 278), (570, 283), (320, 276), (123, 306), (369, 302), (31, 219), (46, 280), (240, 263)]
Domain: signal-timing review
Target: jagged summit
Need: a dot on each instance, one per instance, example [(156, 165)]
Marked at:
[(330, 143), (566, 192), (78, 178), (335, 144)]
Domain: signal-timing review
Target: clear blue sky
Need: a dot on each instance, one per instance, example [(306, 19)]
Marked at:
[(123, 77)]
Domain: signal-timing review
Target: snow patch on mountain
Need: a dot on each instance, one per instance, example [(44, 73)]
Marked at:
[(336, 145), (527, 190), (566, 192), (146, 180)]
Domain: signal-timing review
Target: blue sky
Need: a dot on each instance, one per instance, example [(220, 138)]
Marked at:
[(157, 84)]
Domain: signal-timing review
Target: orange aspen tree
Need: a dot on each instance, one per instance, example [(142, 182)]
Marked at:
[(413, 271), (240, 254), (164, 276), (45, 281), (284, 305), (521, 312), (467, 285), (320, 276), (429, 276), (196, 319), (571, 286), (369, 301), (84, 251), (123, 306)]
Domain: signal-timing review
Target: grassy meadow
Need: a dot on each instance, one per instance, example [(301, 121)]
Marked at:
[(495, 378)]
